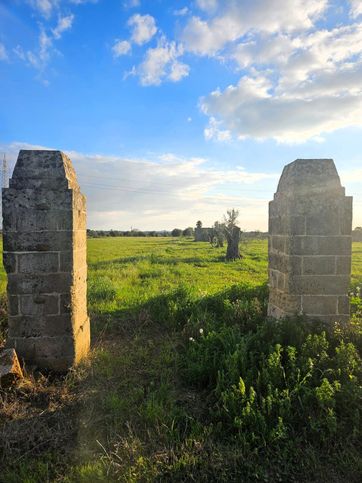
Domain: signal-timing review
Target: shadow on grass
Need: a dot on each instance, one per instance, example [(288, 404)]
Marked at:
[(156, 260), (172, 310), (43, 421)]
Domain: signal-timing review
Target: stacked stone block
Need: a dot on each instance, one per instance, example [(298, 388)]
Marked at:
[(310, 226), (44, 237)]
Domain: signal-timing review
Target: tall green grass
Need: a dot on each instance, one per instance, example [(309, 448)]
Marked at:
[(189, 381)]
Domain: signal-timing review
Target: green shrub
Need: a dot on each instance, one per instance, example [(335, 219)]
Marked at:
[(280, 381)]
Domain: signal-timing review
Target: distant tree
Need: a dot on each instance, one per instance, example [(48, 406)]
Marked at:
[(176, 232), (199, 224), (233, 234), (188, 231)]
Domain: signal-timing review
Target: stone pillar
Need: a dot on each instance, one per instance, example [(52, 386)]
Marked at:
[(310, 224), (44, 233)]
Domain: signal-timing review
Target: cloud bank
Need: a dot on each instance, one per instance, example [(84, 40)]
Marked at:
[(165, 192)]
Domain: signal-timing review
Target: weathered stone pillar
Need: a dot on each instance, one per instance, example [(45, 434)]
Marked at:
[(44, 233), (310, 224)]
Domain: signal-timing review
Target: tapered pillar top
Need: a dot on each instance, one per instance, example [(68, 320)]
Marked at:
[(43, 169), (309, 175)]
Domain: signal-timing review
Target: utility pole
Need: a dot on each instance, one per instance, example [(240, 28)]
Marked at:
[(5, 173), (4, 181)]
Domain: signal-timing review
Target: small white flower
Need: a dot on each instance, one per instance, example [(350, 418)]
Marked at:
[(191, 339), (201, 331)]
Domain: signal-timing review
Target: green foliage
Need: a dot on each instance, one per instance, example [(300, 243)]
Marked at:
[(279, 381)]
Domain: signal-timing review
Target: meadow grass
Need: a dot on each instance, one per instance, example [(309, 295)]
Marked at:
[(187, 382)]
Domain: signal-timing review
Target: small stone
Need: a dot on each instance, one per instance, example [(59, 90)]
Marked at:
[(10, 370)]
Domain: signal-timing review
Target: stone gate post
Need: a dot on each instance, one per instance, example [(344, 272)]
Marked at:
[(44, 237), (310, 224)]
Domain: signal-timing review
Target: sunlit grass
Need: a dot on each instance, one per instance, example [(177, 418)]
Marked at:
[(136, 412)]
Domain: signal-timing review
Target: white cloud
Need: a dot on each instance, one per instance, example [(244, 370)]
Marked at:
[(64, 23), (39, 58), (178, 70), (250, 110), (161, 64), (298, 85), (131, 3), (163, 193), (143, 28), (81, 2), (45, 7), (356, 8), (207, 5), (121, 47), (263, 50), (212, 131), (181, 12), (238, 17), (3, 53)]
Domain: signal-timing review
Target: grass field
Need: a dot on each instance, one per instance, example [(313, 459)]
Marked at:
[(187, 382)]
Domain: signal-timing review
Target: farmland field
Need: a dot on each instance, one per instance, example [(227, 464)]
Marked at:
[(169, 392)]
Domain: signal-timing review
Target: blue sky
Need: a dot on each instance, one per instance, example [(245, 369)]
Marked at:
[(174, 111)]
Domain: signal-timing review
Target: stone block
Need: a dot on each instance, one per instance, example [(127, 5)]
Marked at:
[(13, 303), (319, 284), (323, 222), (38, 241), (278, 243), (345, 216), (19, 220), (10, 370), (320, 304), (40, 325), (343, 265), (343, 305), (42, 262), (40, 304), (289, 303), (56, 353), (38, 199), (319, 245), (319, 265), (28, 283), (285, 263), (26, 326)]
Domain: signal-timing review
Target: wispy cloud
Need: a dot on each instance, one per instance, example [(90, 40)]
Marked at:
[(64, 23), (40, 57), (180, 12), (3, 53), (44, 7)]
